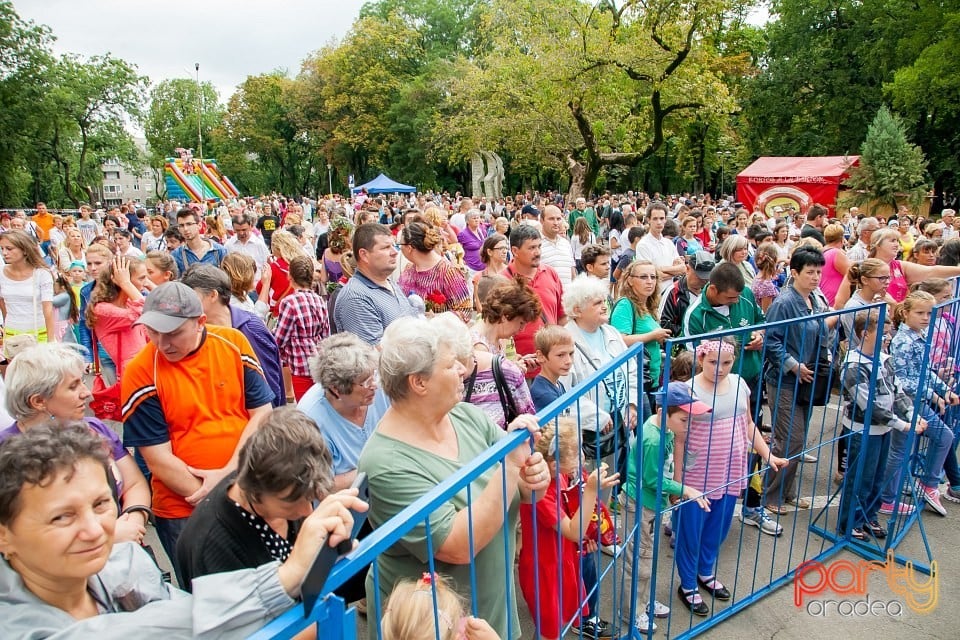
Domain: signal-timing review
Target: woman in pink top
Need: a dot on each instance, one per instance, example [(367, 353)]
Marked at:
[(837, 263), (115, 304), (885, 245)]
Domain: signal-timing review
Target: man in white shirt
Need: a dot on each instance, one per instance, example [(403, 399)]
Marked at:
[(555, 250), (861, 250), (246, 242), (660, 250), (947, 216)]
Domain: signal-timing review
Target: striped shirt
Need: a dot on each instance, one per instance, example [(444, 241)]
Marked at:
[(559, 255), (443, 278), (717, 444), (366, 309)]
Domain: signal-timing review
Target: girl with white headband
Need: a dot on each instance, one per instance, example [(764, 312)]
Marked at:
[(716, 449)]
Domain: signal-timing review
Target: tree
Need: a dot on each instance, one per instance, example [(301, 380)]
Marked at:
[(80, 119), (609, 92), (891, 168), (24, 57), (264, 145), (171, 119)]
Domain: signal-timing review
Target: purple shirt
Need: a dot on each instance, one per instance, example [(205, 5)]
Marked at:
[(117, 449), (472, 242)]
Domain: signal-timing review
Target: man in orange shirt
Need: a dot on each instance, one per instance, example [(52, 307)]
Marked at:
[(44, 221), (191, 397)]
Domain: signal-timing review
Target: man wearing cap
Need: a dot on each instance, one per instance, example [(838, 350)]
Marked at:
[(190, 398), (861, 250), (686, 289)]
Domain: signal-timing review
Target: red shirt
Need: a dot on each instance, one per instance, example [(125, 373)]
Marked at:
[(549, 289)]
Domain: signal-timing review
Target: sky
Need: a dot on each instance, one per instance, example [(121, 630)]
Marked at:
[(231, 39)]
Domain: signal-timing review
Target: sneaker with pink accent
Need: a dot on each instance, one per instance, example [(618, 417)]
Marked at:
[(903, 509), (931, 495)]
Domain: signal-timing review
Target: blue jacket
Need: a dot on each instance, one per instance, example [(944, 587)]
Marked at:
[(265, 346), (800, 342), (184, 257), (83, 331)]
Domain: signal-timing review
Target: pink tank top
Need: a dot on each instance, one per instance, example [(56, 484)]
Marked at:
[(898, 287), (831, 278)]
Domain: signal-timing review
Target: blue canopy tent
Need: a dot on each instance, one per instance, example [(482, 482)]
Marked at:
[(383, 184)]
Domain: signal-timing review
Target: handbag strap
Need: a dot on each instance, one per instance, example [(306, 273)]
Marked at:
[(506, 399), (470, 381)]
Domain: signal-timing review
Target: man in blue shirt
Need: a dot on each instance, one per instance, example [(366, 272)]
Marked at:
[(195, 248)]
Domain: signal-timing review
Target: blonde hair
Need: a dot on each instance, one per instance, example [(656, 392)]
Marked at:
[(560, 441), (879, 236), (285, 244), (912, 300), (242, 270), (652, 304), (409, 612)]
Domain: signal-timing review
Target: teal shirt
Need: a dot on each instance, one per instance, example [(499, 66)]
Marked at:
[(627, 321), (652, 466)]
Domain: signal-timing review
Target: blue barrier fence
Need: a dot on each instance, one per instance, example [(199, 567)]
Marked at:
[(751, 563)]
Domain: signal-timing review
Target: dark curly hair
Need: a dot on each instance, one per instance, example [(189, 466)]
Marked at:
[(39, 454)]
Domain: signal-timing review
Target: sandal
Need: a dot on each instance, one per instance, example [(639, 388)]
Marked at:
[(692, 601), (799, 503), (779, 509)]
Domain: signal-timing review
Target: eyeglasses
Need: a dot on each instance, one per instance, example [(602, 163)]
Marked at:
[(646, 276), (500, 248), (370, 383), (880, 278)]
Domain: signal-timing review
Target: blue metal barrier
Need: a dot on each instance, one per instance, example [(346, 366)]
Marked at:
[(774, 560)]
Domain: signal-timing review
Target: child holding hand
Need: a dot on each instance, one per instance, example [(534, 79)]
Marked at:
[(550, 579)]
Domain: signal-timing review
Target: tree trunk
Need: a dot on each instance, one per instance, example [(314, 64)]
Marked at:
[(583, 176)]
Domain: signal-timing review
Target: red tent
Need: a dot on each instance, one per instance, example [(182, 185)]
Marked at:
[(798, 182)]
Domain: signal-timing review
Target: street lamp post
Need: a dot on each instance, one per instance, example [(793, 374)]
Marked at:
[(330, 177)]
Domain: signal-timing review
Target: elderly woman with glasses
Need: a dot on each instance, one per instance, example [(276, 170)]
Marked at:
[(428, 435), (63, 575), (346, 400)]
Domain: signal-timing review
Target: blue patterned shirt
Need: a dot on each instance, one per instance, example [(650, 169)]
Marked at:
[(908, 349)]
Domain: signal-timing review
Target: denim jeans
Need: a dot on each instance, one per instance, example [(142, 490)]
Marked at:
[(588, 571), (941, 440), (169, 530), (860, 497)]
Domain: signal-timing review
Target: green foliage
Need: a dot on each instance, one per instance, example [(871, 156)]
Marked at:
[(171, 119), (891, 168)]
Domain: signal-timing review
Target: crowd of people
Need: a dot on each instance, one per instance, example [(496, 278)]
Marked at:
[(412, 333)]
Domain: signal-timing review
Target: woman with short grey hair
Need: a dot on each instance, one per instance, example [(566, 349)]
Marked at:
[(44, 383), (605, 412), (426, 436), (345, 400), (735, 249)]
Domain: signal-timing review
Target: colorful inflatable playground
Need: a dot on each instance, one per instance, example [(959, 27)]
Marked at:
[(192, 180)]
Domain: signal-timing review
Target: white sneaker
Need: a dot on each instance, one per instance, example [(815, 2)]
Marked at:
[(660, 610), (758, 518), (643, 623), (610, 549)]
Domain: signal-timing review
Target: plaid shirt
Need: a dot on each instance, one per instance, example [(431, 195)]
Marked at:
[(301, 323)]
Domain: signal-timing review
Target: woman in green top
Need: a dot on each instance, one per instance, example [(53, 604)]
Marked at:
[(636, 316)]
